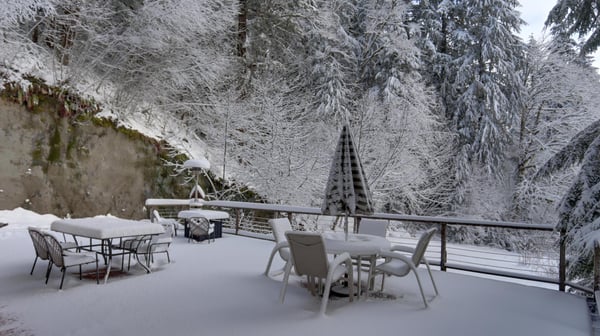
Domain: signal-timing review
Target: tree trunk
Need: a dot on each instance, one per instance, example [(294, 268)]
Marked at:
[(242, 26)]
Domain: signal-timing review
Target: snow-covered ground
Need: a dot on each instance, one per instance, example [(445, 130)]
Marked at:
[(219, 289)]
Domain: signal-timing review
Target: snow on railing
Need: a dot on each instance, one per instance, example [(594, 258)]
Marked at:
[(547, 266)]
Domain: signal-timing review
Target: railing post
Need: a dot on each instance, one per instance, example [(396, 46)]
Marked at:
[(562, 261), (238, 220), (443, 254), (596, 265)]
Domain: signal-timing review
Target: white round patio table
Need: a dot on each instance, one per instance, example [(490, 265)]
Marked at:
[(358, 246)]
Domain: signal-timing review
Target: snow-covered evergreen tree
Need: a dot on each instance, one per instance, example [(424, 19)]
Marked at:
[(475, 53), (343, 60), (577, 17)]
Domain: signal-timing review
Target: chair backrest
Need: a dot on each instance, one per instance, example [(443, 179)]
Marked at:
[(199, 226), (308, 253), (39, 243), (55, 250), (280, 226), (422, 246), (375, 227), (155, 216), (169, 231)]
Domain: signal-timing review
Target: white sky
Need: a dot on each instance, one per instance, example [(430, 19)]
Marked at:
[(535, 12)]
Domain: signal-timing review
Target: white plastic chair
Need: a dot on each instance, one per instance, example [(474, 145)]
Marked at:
[(400, 265), (308, 257), (157, 244), (279, 226), (375, 227), (157, 218)]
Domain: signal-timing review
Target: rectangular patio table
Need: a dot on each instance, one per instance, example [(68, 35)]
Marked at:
[(105, 229), (214, 216)]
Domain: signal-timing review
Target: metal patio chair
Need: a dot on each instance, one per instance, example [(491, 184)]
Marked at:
[(65, 259)]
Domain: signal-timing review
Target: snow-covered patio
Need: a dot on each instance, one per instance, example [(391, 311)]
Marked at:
[(219, 289)]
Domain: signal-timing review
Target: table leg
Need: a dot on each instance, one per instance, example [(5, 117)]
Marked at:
[(144, 264), (371, 280), (109, 264), (359, 287)]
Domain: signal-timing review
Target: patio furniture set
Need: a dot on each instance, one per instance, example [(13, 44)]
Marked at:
[(108, 237), (326, 259), (308, 253)]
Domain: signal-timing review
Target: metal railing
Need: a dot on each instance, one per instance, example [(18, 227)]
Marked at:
[(545, 262)]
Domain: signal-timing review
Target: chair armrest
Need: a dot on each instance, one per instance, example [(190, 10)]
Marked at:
[(280, 245), (152, 247), (403, 248), (340, 259), (394, 255)]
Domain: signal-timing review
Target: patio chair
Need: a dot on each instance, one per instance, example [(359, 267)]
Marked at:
[(375, 227), (157, 244), (41, 250), (400, 265), (65, 259), (200, 228), (279, 226), (309, 258), (133, 246), (157, 218)]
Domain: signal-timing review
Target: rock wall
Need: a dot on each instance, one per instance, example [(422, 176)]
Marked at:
[(59, 165)]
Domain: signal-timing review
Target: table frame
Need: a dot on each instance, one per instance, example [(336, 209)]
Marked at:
[(106, 247)]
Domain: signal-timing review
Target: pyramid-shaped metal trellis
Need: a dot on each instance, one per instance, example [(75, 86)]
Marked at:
[(347, 191)]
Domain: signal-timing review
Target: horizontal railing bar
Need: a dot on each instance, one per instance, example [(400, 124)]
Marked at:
[(399, 217), (257, 227), (507, 274), (462, 221)]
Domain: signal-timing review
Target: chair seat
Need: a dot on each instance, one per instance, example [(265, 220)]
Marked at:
[(399, 264), (309, 258), (78, 259), (395, 267)]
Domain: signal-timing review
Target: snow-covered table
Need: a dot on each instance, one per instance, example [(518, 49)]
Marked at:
[(105, 229), (214, 216), (359, 246)]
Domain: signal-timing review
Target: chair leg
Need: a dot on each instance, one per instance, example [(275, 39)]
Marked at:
[(270, 262), (62, 279), (432, 281), (48, 270), (325, 298), (97, 273), (420, 287), (32, 267), (286, 276)]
